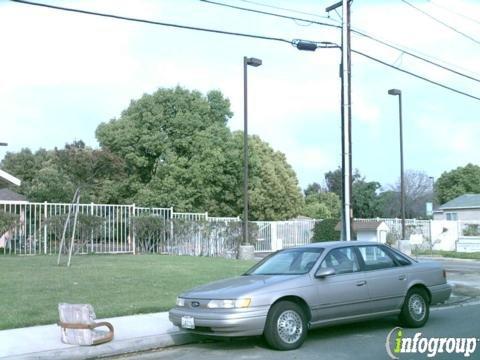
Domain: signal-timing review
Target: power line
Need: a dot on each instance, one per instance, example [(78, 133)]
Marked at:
[(353, 30), (118, 17), (441, 22), (423, 56), (285, 9), (271, 14), (294, 42), (454, 12), (415, 75), (415, 56)]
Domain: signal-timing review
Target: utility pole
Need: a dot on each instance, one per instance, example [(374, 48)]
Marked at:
[(345, 73)]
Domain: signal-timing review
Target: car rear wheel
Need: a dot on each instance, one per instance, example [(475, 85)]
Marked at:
[(416, 309), (286, 326)]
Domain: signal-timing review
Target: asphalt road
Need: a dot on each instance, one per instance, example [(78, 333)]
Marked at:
[(456, 266), (358, 341)]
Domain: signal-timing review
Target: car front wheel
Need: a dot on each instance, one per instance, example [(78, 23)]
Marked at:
[(286, 326), (416, 309)]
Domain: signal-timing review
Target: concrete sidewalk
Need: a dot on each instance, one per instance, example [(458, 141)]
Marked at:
[(132, 333)]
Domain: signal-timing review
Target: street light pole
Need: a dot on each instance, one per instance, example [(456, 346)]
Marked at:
[(252, 62), (398, 93)]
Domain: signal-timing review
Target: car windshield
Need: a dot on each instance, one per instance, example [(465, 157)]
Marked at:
[(287, 262)]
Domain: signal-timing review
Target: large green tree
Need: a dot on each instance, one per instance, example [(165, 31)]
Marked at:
[(320, 204), (462, 180), (364, 193), (179, 152), (53, 175)]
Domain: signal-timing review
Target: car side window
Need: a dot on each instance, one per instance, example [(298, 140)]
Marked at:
[(375, 258), (308, 260), (343, 260), (402, 260)]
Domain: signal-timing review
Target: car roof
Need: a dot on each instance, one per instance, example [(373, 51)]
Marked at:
[(336, 244)]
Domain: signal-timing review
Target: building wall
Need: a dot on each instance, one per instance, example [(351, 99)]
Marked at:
[(444, 235), (462, 214), (367, 235)]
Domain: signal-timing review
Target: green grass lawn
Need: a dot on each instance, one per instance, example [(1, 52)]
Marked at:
[(451, 254), (31, 287)]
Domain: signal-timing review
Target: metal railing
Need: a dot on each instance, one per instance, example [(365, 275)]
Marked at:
[(37, 228)]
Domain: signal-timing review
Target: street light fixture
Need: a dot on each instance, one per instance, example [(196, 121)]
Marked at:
[(255, 63), (346, 129), (396, 92), (3, 144)]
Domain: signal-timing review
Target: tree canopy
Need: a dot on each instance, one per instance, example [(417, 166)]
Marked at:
[(462, 180), (364, 193), (53, 175), (171, 148), (180, 153), (320, 203)]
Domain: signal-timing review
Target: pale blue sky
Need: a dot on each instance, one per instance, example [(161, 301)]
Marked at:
[(62, 74)]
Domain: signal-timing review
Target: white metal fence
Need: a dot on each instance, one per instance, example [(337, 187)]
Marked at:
[(37, 228), (102, 228), (412, 227), (276, 235)]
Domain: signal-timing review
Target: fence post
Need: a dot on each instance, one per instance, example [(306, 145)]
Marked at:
[(274, 243), (91, 232), (171, 227), (45, 207), (132, 229)]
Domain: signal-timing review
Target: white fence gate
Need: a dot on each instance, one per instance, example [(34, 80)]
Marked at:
[(276, 235)]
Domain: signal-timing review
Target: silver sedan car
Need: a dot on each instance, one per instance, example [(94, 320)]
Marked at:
[(297, 289)]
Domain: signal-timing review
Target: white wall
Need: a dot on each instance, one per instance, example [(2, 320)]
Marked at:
[(463, 214), (444, 234), (367, 235)]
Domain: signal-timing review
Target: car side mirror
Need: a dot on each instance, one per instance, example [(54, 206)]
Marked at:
[(322, 273)]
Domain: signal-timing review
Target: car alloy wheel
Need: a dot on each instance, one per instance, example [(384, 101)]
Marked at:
[(415, 310), (289, 326), (286, 326), (416, 306)]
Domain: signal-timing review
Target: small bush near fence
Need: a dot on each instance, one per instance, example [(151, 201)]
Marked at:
[(471, 230), (7, 221), (88, 228), (187, 237), (150, 232), (325, 231)]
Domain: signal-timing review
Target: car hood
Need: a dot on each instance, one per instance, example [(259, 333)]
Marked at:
[(236, 287)]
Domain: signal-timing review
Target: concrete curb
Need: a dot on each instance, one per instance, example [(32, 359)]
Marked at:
[(113, 348)]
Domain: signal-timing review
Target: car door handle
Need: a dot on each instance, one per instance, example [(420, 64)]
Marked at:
[(402, 277), (361, 283)]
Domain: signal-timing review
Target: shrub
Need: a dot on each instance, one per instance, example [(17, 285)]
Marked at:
[(150, 232), (7, 221), (325, 231), (88, 228)]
